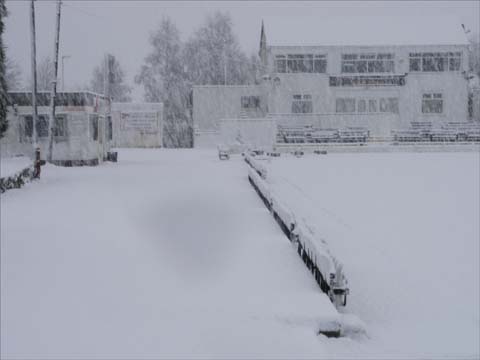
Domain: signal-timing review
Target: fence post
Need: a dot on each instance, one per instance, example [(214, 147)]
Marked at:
[(37, 163)]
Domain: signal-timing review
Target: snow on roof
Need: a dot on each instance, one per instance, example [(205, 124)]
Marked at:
[(362, 30)]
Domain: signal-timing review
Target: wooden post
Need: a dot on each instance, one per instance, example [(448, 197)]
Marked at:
[(37, 164)]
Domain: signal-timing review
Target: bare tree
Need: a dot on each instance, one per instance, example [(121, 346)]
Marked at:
[(45, 74), (118, 88), (213, 54), (163, 80), (13, 75)]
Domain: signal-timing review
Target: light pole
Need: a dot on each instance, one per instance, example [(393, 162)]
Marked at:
[(63, 70)]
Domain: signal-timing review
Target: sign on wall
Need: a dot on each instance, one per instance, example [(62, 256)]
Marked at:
[(140, 121)]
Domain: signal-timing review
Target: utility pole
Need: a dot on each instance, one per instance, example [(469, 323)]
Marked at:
[(34, 74), (54, 85)]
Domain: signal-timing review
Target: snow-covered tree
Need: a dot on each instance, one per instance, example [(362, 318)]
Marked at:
[(213, 55), (3, 82), (13, 74), (163, 80), (45, 74), (119, 90)]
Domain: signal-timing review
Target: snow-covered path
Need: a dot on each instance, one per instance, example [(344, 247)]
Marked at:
[(164, 254)]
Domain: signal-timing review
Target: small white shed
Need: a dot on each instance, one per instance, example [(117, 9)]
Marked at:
[(83, 125)]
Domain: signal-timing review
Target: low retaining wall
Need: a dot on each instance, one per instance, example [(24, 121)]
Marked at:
[(325, 268)]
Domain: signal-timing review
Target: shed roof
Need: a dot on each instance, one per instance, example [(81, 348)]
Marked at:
[(363, 30)]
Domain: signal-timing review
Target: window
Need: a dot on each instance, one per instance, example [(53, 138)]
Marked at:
[(281, 63), (391, 105), (302, 104), (383, 105), (60, 126), (28, 126), (368, 63), (301, 63), (432, 103), (109, 127), (42, 126), (345, 105), (435, 62), (250, 102), (362, 106), (320, 64), (94, 127)]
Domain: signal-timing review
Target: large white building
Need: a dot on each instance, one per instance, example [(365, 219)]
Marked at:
[(380, 74)]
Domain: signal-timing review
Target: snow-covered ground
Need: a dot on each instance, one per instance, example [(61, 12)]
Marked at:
[(10, 166), (163, 254), (406, 227)]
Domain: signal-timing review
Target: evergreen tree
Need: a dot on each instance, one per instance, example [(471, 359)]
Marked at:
[(3, 81)]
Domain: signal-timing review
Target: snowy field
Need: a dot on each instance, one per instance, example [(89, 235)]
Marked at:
[(171, 254), (163, 254), (406, 227)]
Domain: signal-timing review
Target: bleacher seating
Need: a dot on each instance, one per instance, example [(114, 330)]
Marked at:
[(449, 132)]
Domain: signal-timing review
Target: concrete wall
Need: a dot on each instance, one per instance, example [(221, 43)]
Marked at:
[(137, 124), (248, 133), (212, 103)]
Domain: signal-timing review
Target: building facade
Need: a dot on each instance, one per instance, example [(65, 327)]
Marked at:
[(326, 75), (83, 134)]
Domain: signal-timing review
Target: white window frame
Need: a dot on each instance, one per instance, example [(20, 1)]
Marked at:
[(432, 93), (450, 59), (250, 102), (369, 61), (302, 101), (301, 63)]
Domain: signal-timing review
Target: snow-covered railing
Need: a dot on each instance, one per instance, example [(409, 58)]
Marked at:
[(326, 269), (259, 168)]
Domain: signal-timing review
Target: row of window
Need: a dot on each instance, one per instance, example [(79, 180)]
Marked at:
[(353, 105), (61, 127), (301, 63), (42, 126), (432, 103), (368, 62), (443, 61)]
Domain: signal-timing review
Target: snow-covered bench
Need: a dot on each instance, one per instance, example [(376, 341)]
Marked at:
[(328, 272)]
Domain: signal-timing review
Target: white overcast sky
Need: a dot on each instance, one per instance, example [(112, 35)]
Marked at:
[(91, 28)]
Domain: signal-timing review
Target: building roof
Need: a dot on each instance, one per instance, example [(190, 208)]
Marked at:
[(362, 30), (70, 98)]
